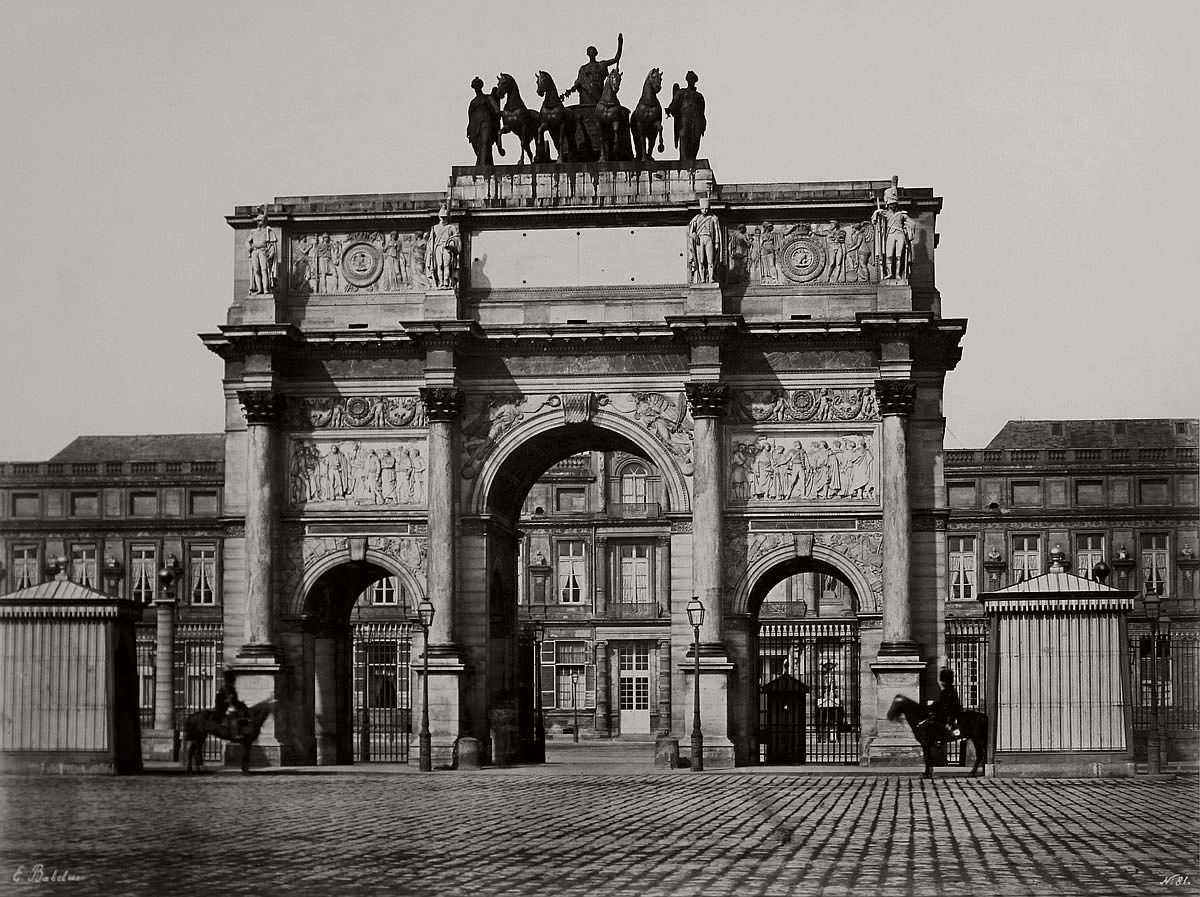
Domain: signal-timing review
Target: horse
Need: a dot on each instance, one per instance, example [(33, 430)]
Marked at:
[(557, 120), (930, 733), (203, 723), (646, 120), (613, 121), (517, 118)]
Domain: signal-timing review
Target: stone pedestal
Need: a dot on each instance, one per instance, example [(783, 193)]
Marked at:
[(160, 744), (441, 305), (703, 299), (259, 678), (446, 674), (893, 743)]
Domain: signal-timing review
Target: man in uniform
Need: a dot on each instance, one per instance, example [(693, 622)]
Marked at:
[(443, 248), (260, 246), (704, 233)]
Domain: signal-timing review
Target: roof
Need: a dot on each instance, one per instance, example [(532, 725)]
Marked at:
[(1056, 583), (168, 447), (57, 590), (1118, 433)]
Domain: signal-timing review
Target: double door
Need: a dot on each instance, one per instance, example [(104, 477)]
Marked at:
[(633, 688)]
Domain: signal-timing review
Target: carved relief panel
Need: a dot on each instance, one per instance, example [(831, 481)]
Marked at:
[(809, 467), (344, 474), (804, 252), (368, 262)]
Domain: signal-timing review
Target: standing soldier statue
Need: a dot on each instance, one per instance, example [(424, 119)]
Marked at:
[(260, 246), (893, 235), (704, 237), (442, 253)]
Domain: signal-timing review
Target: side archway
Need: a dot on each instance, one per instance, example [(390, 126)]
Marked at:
[(782, 561), (299, 600)]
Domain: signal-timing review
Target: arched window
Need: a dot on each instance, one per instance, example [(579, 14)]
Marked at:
[(633, 484)]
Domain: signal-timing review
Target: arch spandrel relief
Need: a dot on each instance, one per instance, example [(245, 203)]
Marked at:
[(305, 558), (666, 416)]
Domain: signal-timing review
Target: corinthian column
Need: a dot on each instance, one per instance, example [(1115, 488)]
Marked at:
[(262, 409), (707, 400), (895, 405), (442, 405)]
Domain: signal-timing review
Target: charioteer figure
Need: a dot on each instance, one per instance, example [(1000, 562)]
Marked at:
[(590, 82)]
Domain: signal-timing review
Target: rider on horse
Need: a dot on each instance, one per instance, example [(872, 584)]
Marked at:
[(229, 708), (948, 706)]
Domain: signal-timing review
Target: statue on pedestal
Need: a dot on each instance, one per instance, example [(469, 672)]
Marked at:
[(687, 107), (444, 246), (260, 246), (483, 123), (894, 234), (704, 239)]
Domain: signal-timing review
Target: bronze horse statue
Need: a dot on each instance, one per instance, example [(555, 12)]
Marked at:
[(557, 120), (244, 731), (931, 734), (517, 118), (646, 120), (613, 121)]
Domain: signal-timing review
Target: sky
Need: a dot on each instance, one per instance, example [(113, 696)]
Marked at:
[(1062, 137)]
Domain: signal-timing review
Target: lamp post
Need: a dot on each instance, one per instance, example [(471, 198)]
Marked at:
[(695, 612), (113, 570), (575, 704), (539, 725), (425, 612), (1153, 605)]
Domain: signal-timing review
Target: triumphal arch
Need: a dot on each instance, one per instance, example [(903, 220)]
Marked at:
[(401, 369)]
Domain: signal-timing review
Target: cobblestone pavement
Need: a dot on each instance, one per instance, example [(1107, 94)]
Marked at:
[(669, 832)]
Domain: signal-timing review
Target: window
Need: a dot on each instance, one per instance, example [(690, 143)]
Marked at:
[(961, 495), (1026, 557), (1181, 428), (1056, 429), (1026, 494), (1153, 492), (570, 499), (634, 574), (26, 504), (85, 504), (203, 504), (1155, 571), (562, 660), (143, 504), (633, 484), (1089, 551), (26, 570), (1148, 676), (962, 568), (571, 573), (202, 560), (1119, 428), (143, 573), (83, 565), (385, 591), (1120, 492), (1089, 492)]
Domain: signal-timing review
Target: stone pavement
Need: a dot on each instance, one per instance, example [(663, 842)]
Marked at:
[(592, 823)]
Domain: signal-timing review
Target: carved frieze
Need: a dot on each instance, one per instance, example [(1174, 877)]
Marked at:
[(802, 467), (820, 405), (667, 417), (354, 412), (370, 262), (833, 252), (866, 551), (355, 474), (300, 553)]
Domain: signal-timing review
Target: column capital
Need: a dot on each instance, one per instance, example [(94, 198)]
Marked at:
[(707, 398), (895, 396), (261, 406), (442, 403)]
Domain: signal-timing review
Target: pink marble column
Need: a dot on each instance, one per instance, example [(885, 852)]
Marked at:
[(896, 399), (262, 409), (442, 406), (707, 400)]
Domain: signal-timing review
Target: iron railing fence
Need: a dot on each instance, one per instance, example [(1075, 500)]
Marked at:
[(382, 691)]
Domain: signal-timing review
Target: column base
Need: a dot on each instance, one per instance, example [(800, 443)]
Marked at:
[(900, 650), (258, 681), (161, 745), (893, 743), (446, 675)]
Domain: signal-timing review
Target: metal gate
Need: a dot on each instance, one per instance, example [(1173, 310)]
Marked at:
[(198, 648), (147, 648), (808, 692), (966, 655), (382, 691)]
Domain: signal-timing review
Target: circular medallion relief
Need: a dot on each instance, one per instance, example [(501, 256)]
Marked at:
[(802, 259), (362, 263)]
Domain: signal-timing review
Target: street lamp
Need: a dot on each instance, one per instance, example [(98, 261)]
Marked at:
[(575, 703), (424, 739), (695, 612), (168, 575), (539, 725), (1153, 605)]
